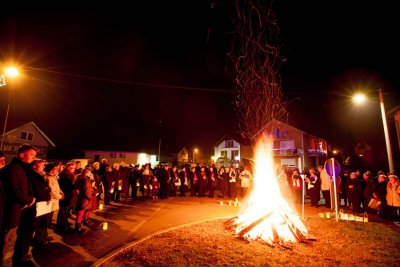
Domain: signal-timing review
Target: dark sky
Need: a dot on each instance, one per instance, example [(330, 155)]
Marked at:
[(121, 77)]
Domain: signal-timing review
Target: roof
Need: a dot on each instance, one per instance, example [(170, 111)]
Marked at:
[(36, 127), (280, 122), (229, 137)]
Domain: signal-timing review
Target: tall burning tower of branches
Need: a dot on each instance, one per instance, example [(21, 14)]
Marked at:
[(255, 57)]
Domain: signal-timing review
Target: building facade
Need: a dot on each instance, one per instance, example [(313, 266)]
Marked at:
[(230, 152), (135, 158), (26, 134), (293, 148)]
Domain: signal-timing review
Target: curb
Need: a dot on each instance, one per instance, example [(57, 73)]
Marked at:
[(113, 253)]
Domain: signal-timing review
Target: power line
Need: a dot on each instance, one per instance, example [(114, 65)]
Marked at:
[(134, 83)]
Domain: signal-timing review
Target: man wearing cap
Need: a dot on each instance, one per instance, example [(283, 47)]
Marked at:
[(18, 196)]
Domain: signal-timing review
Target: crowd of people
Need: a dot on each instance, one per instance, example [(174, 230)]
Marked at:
[(71, 191), (36, 194), (360, 192)]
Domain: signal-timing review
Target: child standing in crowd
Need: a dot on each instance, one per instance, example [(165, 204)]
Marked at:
[(155, 187)]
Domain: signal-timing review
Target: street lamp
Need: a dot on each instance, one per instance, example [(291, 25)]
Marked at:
[(9, 72), (359, 99), (194, 152)]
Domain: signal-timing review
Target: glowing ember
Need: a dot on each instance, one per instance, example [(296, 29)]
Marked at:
[(267, 216)]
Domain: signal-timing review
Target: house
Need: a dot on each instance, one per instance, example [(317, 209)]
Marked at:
[(184, 156), (230, 152), (30, 134), (295, 148)]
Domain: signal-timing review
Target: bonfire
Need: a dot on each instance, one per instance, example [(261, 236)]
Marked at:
[(267, 216)]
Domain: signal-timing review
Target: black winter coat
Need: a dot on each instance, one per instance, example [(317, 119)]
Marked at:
[(17, 191)]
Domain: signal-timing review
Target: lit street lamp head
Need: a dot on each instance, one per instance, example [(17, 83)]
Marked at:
[(11, 72), (359, 99)]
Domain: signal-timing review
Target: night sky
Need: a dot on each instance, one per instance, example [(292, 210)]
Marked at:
[(121, 77)]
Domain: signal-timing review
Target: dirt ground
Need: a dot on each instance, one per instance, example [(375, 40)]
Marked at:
[(343, 243)]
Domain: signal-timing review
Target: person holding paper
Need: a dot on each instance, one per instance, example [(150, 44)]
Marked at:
[(41, 192)]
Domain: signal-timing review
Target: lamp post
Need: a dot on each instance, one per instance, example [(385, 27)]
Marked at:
[(358, 99), (10, 72), (385, 129)]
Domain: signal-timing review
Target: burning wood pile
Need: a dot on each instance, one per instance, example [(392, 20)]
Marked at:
[(266, 216)]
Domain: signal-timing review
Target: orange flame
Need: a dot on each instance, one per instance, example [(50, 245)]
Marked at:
[(267, 216)]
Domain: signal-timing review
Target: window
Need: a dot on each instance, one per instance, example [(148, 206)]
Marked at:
[(234, 154), (276, 132), (27, 136), (229, 143), (224, 154), (113, 155)]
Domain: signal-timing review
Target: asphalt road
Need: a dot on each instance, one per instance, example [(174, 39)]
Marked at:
[(128, 221)]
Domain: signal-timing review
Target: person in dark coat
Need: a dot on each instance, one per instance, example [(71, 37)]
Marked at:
[(124, 171), (202, 175), (164, 179), (233, 181), (66, 182), (223, 181), (193, 178), (41, 192), (212, 181), (343, 193), (147, 176), (18, 196), (134, 181), (109, 181), (117, 191), (355, 191), (184, 178), (98, 178), (368, 189), (380, 193), (175, 183), (83, 206), (313, 187)]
